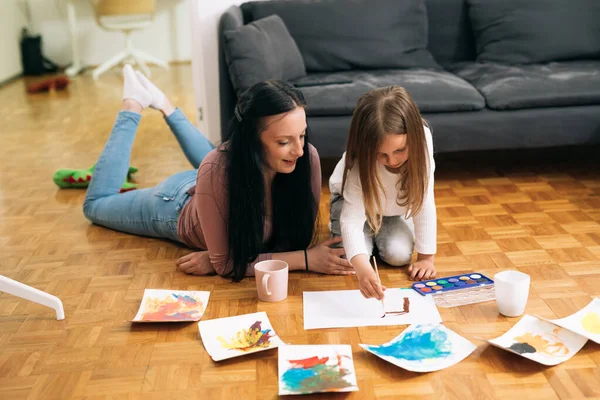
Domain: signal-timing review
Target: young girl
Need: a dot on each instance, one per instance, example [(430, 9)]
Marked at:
[(254, 198), (382, 188)]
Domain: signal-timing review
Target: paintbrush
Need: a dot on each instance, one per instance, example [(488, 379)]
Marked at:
[(379, 281)]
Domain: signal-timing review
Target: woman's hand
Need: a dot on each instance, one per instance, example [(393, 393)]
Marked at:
[(325, 260), (422, 270), (197, 263)]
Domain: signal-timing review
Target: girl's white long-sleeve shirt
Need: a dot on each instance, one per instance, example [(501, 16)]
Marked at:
[(353, 216)]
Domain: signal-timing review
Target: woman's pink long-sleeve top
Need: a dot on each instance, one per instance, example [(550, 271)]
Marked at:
[(202, 223)]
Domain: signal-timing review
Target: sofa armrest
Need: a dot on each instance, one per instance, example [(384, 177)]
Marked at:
[(231, 19)]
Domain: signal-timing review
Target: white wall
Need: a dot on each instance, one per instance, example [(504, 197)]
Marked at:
[(12, 20), (205, 15), (205, 63), (168, 38)]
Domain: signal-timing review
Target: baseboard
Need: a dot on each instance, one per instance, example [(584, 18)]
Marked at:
[(586, 155), (183, 62), (10, 80)]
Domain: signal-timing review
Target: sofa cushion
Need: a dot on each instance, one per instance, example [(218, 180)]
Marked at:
[(262, 50), (336, 35), (534, 31), (557, 84), (433, 91), (450, 38)]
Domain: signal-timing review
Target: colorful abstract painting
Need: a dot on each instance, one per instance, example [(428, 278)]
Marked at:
[(248, 339), (348, 308), (307, 369), (424, 348), (540, 341), (230, 337), (585, 322), (171, 306)]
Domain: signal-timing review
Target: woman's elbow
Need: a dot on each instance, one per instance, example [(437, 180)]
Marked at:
[(221, 269)]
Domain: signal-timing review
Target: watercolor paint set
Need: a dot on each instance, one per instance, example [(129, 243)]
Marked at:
[(457, 282), (458, 290)]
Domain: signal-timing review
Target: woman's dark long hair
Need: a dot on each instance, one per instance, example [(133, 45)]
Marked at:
[(293, 202)]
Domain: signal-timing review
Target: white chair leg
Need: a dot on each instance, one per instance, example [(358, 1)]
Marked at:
[(111, 62), (150, 58), (140, 62), (32, 294)]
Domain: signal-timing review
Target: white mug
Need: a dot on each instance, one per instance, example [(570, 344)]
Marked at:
[(271, 280), (512, 291)]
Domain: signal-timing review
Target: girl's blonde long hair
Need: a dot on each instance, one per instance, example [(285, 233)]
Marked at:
[(380, 112)]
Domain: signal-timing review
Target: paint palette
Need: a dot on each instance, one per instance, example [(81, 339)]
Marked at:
[(458, 290)]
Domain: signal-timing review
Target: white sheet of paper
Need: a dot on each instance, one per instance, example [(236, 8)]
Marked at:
[(348, 308), (304, 369), (424, 348), (237, 336), (585, 322), (540, 341)]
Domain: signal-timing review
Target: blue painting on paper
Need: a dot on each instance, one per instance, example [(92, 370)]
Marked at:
[(419, 344), (424, 348)]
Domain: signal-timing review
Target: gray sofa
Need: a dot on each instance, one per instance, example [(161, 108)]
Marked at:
[(483, 89)]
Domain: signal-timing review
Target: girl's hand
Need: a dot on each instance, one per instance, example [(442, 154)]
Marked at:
[(325, 260), (422, 270), (197, 263), (369, 286)]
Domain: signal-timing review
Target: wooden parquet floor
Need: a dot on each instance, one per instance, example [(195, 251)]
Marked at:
[(540, 217)]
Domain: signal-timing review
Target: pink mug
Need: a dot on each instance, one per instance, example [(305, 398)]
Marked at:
[(271, 280)]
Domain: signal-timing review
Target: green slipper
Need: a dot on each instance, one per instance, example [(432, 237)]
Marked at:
[(80, 178), (127, 186)]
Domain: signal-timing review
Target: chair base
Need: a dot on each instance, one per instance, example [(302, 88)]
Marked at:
[(133, 55), (32, 294)]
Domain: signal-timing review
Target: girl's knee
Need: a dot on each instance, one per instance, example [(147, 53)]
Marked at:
[(396, 259), (395, 241), (396, 253)]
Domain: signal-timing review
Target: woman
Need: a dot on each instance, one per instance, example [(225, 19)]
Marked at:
[(253, 198)]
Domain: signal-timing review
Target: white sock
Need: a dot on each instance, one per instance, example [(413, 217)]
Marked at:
[(133, 89), (158, 97)]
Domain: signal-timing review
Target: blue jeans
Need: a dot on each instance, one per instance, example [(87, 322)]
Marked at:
[(147, 212)]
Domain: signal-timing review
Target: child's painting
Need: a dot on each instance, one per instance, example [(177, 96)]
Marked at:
[(424, 348), (540, 341), (348, 308), (171, 306), (316, 368), (237, 336), (586, 321)]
